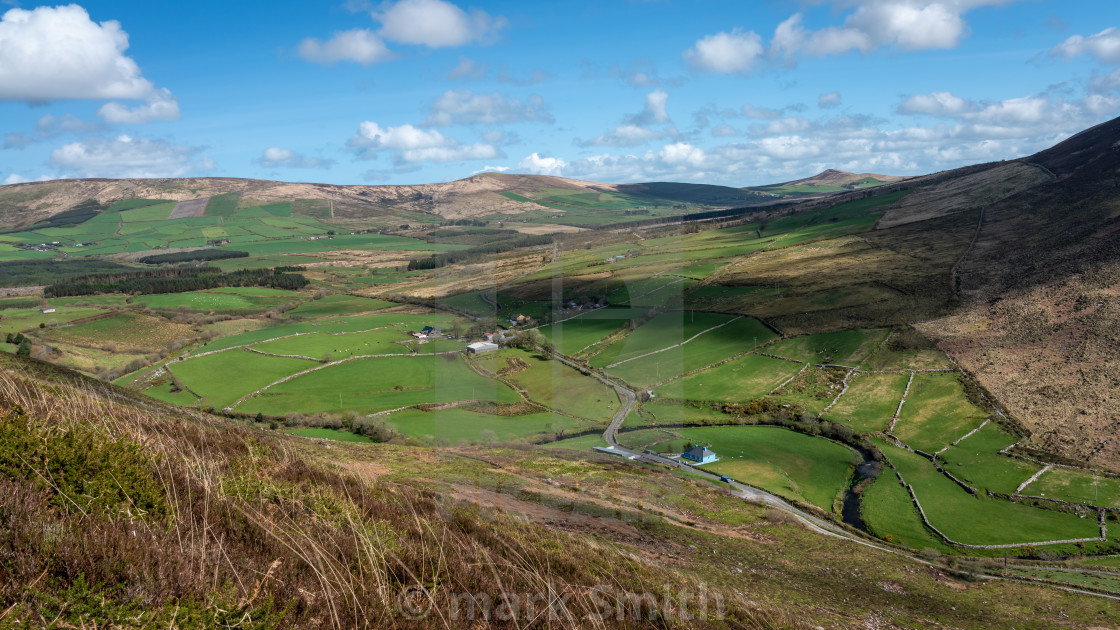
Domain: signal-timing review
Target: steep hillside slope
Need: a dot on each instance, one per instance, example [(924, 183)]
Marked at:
[(118, 512), (1041, 283)]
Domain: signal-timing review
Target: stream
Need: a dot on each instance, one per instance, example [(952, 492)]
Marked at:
[(850, 513)]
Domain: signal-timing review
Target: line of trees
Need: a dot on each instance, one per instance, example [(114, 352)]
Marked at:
[(193, 256), (443, 259), (177, 280)]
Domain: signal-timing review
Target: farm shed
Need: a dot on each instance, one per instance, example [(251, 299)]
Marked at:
[(482, 346)]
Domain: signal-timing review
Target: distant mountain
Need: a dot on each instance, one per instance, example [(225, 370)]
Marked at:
[(485, 194), (823, 183)]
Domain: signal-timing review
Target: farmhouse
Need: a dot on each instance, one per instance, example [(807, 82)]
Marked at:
[(480, 347), (699, 455)]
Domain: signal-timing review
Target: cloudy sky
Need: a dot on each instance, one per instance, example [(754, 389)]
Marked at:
[(730, 92)]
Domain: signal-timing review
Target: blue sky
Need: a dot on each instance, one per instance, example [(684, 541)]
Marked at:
[(415, 91)]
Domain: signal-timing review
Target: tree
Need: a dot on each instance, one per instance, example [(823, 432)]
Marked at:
[(24, 349)]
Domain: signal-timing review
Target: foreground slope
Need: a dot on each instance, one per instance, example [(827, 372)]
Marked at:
[(128, 513)]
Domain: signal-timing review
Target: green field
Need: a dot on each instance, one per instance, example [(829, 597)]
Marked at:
[(979, 520), (339, 304), (888, 512), (741, 380), (578, 333), (20, 319), (977, 461), (847, 347), (936, 413), (556, 385), (457, 425), (340, 345), (664, 330), (221, 379), (790, 464), (219, 300), (373, 385), (1077, 486), (870, 402), (739, 336)]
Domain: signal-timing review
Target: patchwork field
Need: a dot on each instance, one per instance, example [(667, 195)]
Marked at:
[(664, 330), (936, 413), (458, 425), (977, 461), (870, 402), (1078, 486), (848, 347), (126, 331), (740, 380)]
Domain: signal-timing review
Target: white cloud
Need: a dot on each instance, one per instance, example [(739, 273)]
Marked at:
[(936, 104), (16, 178), (533, 78), (127, 157), (1105, 46), (491, 169), (51, 53), (463, 107), (1106, 83), (358, 45), (736, 52), (903, 24), (160, 105), (411, 144), (436, 23), (829, 100), (274, 157), (468, 69), (635, 128), (538, 165), (782, 126)]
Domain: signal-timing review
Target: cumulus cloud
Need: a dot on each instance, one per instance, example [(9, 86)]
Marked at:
[(51, 53), (538, 165), (761, 113), (1106, 83), (436, 24), (491, 169), (781, 126), (736, 52), (358, 45), (936, 104), (828, 101), (274, 157), (902, 24), (160, 105), (125, 157), (410, 144), (635, 128), (534, 77), (16, 178), (459, 107), (1105, 46)]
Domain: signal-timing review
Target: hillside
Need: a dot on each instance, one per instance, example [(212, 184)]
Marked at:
[(487, 195), (825, 182), (157, 517)]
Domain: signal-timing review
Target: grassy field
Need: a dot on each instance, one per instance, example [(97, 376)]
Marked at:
[(977, 461), (847, 347), (741, 380), (221, 379), (790, 464), (218, 300), (936, 412), (556, 385), (979, 520), (340, 345), (653, 413), (720, 344), (126, 331), (20, 319), (870, 401), (664, 330), (888, 512), (813, 389), (582, 443), (373, 385), (458, 425), (1077, 486), (339, 304), (578, 333)]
